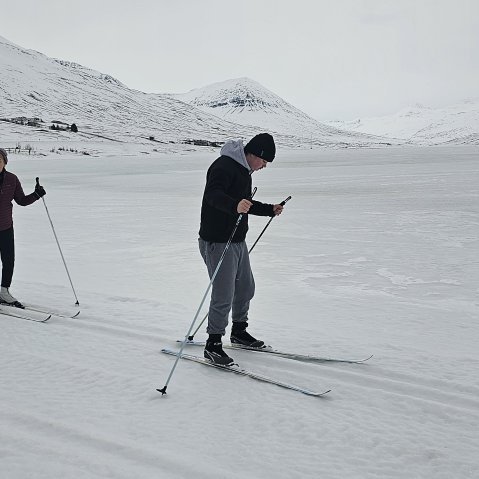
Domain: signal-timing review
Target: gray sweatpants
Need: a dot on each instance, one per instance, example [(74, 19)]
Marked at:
[(233, 287)]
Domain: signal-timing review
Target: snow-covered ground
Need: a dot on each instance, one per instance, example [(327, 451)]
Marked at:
[(375, 254)]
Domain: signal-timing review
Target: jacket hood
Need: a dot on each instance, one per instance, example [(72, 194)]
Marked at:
[(235, 150)]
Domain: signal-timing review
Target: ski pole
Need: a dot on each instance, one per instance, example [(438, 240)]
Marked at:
[(191, 337), (240, 217), (59, 248), (267, 224)]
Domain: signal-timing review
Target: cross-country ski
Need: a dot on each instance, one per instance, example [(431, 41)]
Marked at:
[(24, 315), (53, 311), (245, 372), (286, 355), (40, 309)]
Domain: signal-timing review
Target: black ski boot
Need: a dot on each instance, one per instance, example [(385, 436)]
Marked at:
[(239, 335), (214, 351)]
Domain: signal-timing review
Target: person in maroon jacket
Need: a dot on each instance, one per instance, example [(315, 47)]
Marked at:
[(10, 189)]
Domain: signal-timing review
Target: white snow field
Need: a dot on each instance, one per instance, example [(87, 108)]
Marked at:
[(376, 253)]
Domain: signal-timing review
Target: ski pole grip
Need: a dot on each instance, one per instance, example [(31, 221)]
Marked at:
[(38, 181), (285, 201), (241, 214)]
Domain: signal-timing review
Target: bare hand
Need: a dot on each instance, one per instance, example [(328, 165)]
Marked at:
[(244, 206), (277, 209)]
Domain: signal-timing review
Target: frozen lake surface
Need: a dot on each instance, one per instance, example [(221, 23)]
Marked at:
[(376, 253)]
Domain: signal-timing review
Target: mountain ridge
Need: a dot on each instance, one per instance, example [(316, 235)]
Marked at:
[(246, 102), (37, 86), (418, 124)]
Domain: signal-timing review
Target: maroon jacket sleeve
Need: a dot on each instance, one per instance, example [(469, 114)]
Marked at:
[(21, 198)]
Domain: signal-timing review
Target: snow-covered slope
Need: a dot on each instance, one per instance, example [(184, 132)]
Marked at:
[(455, 124), (247, 102), (34, 85)]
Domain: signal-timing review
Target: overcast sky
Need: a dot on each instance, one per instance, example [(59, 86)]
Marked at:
[(336, 59)]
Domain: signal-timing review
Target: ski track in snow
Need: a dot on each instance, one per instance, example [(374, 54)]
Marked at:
[(78, 395)]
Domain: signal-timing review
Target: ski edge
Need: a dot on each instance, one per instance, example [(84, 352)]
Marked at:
[(245, 372), (294, 356)]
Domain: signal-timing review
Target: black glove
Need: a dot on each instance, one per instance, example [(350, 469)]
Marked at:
[(39, 190)]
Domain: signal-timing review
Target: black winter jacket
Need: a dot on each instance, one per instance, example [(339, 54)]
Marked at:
[(227, 183)]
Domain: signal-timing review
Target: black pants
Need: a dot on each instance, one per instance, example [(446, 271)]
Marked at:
[(7, 253)]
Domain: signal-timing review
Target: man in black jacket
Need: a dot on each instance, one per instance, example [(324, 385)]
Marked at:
[(228, 194)]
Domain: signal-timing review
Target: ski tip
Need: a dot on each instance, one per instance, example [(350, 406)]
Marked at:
[(364, 360), (46, 319), (315, 394), (76, 315)]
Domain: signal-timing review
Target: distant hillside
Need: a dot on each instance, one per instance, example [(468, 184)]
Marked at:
[(33, 85), (455, 124)]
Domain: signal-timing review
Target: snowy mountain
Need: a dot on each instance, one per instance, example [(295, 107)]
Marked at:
[(33, 85), (246, 102), (456, 124)]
